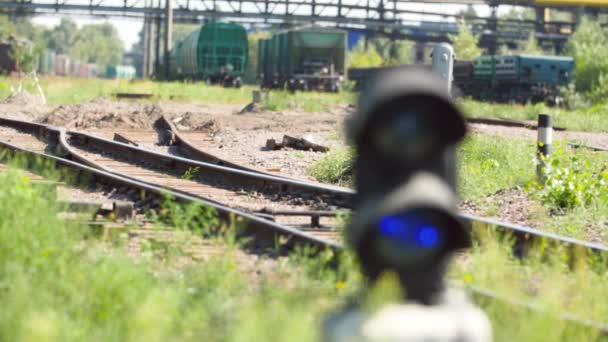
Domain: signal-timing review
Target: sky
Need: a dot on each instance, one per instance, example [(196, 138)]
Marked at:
[(128, 28)]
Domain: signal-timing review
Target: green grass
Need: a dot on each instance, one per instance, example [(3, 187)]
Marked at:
[(592, 119), (487, 164), (549, 281), (61, 90), (59, 283), (336, 167)]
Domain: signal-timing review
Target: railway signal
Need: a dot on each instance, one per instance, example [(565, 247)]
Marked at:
[(405, 132)]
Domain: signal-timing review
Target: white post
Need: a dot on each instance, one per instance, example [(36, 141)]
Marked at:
[(443, 63)]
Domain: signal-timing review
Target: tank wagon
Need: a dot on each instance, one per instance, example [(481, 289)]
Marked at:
[(46, 62), (303, 59), (215, 52)]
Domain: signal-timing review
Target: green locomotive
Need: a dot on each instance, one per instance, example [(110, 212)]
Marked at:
[(518, 78), (216, 52), (303, 59)]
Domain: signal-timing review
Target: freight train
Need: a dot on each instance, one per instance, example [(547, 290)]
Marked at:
[(516, 78), (303, 59), (215, 52)]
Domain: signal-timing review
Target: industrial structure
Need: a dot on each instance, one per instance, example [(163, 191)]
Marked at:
[(387, 17)]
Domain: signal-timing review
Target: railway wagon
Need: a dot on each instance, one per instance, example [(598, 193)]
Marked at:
[(46, 62), (215, 52), (62, 65), (303, 59), (520, 78), (126, 72)]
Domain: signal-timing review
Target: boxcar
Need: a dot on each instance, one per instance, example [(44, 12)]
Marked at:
[(215, 52), (303, 59)]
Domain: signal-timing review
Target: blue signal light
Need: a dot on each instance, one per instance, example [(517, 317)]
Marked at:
[(410, 230)]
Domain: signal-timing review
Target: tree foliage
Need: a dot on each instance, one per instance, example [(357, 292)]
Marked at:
[(61, 37), (98, 44), (589, 47), (380, 51), (530, 46), (465, 43), (364, 57)]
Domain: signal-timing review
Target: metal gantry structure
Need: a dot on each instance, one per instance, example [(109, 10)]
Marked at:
[(397, 19)]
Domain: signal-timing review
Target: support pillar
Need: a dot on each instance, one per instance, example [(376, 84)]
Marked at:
[(158, 40), (150, 55), (168, 31), (493, 26), (146, 48)]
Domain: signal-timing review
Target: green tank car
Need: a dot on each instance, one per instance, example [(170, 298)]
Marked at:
[(215, 52)]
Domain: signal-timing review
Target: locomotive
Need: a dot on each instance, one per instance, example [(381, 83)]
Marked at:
[(514, 78), (303, 59)]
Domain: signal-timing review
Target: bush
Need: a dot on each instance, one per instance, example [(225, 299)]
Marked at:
[(570, 182), (336, 167)]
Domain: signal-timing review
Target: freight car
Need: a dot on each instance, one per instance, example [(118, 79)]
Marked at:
[(215, 52), (46, 62), (62, 65), (126, 72), (517, 78), (303, 59)]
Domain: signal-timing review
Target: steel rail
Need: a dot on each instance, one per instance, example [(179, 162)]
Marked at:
[(264, 231), (589, 147), (235, 177), (524, 237), (189, 150)]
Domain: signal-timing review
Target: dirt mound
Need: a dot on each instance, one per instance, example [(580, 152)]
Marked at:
[(103, 113), (23, 98)]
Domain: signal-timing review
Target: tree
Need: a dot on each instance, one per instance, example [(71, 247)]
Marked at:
[(61, 37), (465, 42), (97, 43), (589, 48), (530, 46), (362, 57)]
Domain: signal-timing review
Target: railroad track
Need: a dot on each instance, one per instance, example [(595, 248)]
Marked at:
[(36, 141), (39, 142)]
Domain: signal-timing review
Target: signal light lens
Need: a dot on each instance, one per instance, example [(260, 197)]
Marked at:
[(410, 231)]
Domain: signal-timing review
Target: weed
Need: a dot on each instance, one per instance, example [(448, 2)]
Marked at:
[(336, 167), (190, 173)]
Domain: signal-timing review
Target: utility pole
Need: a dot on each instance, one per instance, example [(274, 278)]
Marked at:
[(168, 31)]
